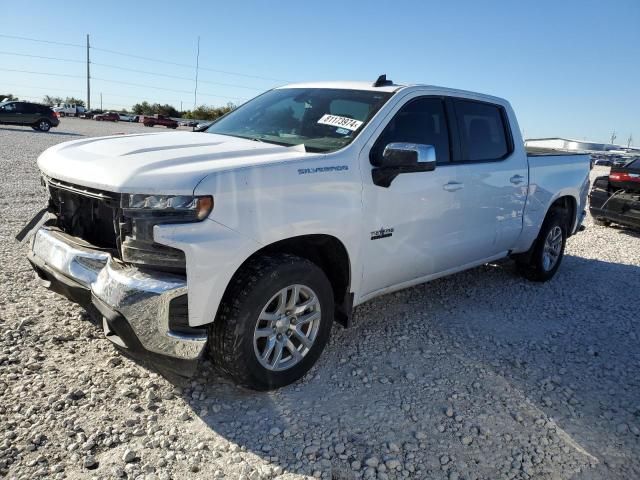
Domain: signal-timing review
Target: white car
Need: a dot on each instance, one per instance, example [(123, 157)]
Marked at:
[(305, 202)]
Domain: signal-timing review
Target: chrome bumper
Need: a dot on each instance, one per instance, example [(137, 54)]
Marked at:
[(116, 290)]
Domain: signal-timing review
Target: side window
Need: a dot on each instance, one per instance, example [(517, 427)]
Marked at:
[(483, 133), (422, 120), (9, 107), (29, 108)]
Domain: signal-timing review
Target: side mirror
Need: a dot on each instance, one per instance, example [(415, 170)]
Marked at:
[(403, 155), (399, 158)]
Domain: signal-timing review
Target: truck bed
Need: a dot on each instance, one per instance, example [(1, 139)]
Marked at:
[(543, 152)]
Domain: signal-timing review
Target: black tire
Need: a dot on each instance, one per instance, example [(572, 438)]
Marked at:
[(231, 336), (43, 125), (601, 222), (534, 267)]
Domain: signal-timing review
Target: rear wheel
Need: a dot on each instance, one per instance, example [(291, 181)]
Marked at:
[(273, 323), (548, 250), (43, 125)]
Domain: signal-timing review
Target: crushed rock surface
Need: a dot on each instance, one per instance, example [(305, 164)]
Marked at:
[(481, 375)]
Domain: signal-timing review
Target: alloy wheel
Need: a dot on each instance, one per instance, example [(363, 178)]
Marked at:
[(287, 327)]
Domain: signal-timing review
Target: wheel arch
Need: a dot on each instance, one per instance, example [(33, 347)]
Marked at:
[(326, 251), (567, 205)]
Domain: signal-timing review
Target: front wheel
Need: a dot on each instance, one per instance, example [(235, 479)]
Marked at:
[(273, 323), (547, 251)]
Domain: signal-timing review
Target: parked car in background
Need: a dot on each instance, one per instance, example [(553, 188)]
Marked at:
[(107, 117), (602, 162), (252, 238), (188, 123), (126, 117), (615, 198), (153, 120), (37, 116), (68, 109)]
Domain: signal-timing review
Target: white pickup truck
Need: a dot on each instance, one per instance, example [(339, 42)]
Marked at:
[(68, 109), (247, 241)]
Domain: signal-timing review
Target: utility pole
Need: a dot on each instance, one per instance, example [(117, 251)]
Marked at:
[(195, 92), (181, 107), (100, 100), (88, 77)]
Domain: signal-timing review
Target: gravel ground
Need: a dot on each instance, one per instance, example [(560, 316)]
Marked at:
[(481, 375)]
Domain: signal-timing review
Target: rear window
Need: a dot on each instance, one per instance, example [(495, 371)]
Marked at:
[(482, 130)]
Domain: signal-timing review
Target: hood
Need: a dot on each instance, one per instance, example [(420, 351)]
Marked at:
[(163, 163)]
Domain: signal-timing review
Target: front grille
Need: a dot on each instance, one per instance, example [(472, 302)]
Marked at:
[(96, 217), (89, 214)]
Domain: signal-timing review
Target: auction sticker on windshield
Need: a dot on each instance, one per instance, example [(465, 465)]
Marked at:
[(338, 121)]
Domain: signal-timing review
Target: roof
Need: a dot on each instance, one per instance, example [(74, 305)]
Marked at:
[(392, 88), (346, 86)]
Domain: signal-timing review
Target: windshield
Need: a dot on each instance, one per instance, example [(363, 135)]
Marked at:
[(321, 119)]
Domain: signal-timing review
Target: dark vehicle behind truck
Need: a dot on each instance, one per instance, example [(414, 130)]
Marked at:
[(616, 198)]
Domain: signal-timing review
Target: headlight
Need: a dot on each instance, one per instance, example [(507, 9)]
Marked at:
[(193, 208), (141, 213)]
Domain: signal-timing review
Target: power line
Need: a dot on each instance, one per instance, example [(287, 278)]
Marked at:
[(176, 77), (167, 89), (185, 65), (141, 71), (41, 73), (116, 67), (118, 82), (15, 37), (42, 56), (141, 57)]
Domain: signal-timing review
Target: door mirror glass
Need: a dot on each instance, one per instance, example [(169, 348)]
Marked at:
[(412, 155)]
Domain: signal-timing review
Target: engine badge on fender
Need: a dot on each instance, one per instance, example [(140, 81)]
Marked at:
[(382, 233)]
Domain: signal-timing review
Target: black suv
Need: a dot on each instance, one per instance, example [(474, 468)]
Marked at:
[(38, 117)]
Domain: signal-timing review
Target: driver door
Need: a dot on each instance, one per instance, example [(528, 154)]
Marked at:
[(414, 227), (8, 113)]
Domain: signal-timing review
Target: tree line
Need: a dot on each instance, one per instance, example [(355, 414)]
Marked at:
[(203, 112)]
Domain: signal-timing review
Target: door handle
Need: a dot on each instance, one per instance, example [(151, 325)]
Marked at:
[(453, 186), (516, 179)]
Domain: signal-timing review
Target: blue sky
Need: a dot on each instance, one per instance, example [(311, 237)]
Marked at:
[(570, 68)]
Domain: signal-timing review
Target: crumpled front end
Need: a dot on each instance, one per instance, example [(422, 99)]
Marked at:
[(142, 310)]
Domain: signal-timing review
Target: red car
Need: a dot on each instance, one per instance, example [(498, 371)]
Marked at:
[(154, 120), (107, 117)]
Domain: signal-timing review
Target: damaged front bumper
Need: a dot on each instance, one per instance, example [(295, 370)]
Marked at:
[(134, 304)]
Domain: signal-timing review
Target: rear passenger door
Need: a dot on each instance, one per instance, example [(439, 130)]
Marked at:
[(30, 113), (495, 178)]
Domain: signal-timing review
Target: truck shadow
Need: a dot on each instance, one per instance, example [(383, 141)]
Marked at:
[(560, 364), (50, 132)]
